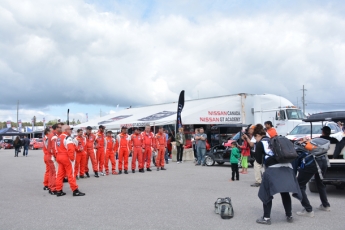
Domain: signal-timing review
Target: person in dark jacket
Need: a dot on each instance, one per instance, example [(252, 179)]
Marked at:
[(26, 143), (277, 178), (17, 144)]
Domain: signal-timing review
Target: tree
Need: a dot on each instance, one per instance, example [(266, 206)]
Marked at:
[(78, 122)]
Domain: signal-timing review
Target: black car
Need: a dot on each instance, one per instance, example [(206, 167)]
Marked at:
[(221, 153)]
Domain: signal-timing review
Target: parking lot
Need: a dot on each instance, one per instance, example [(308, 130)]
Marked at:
[(180, 198)]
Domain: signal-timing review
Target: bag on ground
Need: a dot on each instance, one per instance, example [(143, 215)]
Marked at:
[(283, 149), (223, 206)]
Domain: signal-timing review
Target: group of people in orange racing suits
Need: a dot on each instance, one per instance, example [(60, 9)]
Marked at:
[(67, 158)]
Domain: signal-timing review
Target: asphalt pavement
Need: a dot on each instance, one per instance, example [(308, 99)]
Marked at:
[(182, 197)]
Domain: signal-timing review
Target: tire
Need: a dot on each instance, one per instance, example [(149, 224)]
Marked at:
[(312, 187), (209, 161), (220, 163)]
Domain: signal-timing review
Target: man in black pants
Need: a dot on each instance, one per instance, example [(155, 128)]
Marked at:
[(180, 142), (304, 176)]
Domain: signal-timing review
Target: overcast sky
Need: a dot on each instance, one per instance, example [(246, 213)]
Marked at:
[(91, 55)]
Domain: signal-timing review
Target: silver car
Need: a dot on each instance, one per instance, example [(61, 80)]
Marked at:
[(303, 130)]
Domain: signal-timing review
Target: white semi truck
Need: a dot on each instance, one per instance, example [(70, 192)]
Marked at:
[(281, 112)]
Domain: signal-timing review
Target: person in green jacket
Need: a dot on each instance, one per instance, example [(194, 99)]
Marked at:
[(234, 158)]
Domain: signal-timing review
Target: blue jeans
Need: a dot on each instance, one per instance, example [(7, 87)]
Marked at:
[(166, 156), (26, 150), (201, 155)]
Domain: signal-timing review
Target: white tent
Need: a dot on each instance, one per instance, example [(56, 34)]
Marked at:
[(229, 109)]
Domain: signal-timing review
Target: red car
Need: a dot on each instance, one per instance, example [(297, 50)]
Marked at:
[(6, 144), (36, 143)]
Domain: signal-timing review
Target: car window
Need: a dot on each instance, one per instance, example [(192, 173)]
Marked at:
[(334, 127), (294, 114), (305, 129), (237, 136)]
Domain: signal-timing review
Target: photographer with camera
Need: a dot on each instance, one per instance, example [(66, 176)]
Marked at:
[(248, 136)]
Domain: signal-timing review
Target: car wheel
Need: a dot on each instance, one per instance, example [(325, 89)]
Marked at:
[(209, 161), (220, 163), (312, 187)]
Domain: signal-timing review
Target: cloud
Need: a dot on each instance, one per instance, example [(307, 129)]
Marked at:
[(58, 52)]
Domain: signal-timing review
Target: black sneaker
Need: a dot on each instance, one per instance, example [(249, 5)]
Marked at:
[(141, 170), (45, 188), (96, 174), (78, 193), (52, 192), (60, 193), (87, 174), (203, 164), (289, 219), (158, 169), (82, 177), (120, 172), (148, 169), (162, 168), (263, 221), (65, 180), (126, 172), (133, 171)]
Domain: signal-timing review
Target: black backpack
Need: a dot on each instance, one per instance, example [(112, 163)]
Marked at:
[(283, 149)]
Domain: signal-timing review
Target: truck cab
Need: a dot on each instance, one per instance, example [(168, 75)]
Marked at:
[(286, 119)]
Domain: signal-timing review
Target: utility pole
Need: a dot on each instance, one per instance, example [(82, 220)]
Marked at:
[(303, 98), (17, 113)]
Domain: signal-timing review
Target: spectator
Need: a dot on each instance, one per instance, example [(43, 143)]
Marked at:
[(235, 156), (166, 156), (194, 142), (180, 142), (201, 146), (258, 162), (277, 178), (326, 132), (245, 154), (26, 143), (272, 132), (17, 144)]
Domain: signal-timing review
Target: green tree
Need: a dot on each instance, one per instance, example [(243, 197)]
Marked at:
[(78, 122)]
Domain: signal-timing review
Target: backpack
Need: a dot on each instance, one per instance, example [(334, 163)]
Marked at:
[(283, 149), (317, 146), (314, 149), (224, 207)]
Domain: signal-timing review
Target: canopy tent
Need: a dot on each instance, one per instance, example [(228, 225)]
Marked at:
[(327, 116), (10, 132), (217, 110)]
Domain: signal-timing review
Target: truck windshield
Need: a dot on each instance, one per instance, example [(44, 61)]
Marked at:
[(305, 129), (295, 114)]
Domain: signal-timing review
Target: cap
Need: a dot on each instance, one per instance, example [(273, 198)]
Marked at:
[(252, 127), (123, 127), (326, 128), (101, 127), (89, 128)]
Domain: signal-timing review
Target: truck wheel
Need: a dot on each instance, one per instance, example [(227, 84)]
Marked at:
[(209, 161), (312, 186), (220, 163)]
